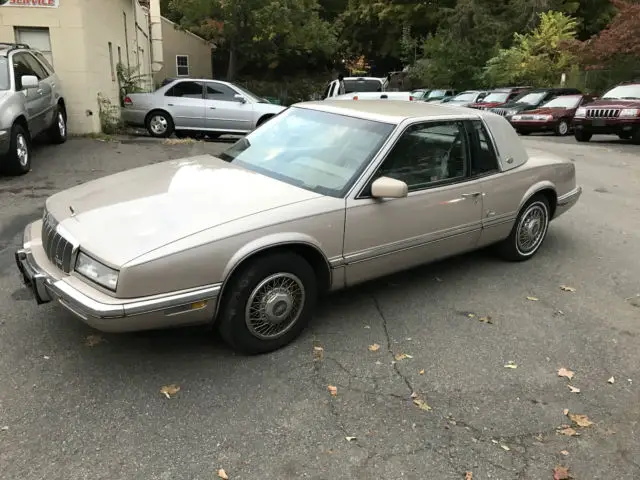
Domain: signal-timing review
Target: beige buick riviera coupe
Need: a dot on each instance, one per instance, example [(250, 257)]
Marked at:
[(324, 196)]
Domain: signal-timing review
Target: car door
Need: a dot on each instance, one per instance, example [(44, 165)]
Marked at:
[(440, 216), (37, 99), (501, 191), (225, 112), (46, 88), (185, 102)]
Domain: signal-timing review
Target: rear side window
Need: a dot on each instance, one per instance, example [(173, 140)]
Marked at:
[(186, 89), (484, 159)]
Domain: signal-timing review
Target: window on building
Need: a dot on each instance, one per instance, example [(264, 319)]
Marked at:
[(182, 65), (113, 70), (37, 38)]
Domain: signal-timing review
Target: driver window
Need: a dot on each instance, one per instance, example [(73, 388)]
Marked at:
[(20, 68), (427, 155)]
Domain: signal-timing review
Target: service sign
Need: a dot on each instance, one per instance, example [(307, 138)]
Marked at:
[(30, 3)]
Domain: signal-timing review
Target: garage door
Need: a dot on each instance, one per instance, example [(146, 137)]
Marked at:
[(37, 38)]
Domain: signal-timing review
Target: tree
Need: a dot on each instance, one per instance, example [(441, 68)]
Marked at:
[(535, 58), (259, 31)]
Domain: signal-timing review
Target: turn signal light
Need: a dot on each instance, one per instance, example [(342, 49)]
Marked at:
[(355, 98), (128, 101)]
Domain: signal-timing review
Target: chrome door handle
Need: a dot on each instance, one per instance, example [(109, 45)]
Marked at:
[(471, 195), (169, 104), (212, 108)]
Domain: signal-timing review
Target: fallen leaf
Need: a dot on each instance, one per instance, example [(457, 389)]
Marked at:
[(486, 319), (47, 357), (511, 364), (222, 474), (93, 340), (414, 395), (504, 447), (374, 348), (169, 390), (402, 356), (573, 389), (564, 288), (611, 380), (471, 315), (421, 372), (421, 404), (565, 411), (350, 439), (333, 390), (561, 473), (5, 428), (580, 420), (569, 432), (564, 372), (178, 141), (468, 476), (318, 352), (533, 299), (564, 452)]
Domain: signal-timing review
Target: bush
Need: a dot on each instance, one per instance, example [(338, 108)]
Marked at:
[(289, 90)]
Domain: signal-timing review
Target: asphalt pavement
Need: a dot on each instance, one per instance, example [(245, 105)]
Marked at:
[(447, 369)]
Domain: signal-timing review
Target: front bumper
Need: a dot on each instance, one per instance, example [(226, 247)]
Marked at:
[(534, 127), (102, 312), (607, 126), (568, 200)]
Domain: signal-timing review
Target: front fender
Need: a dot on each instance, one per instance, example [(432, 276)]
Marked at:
[(269, 241), (11, 109)]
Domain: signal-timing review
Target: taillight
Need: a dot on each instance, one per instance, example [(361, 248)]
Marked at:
[(128, 101), (411, 98), (355, 98)]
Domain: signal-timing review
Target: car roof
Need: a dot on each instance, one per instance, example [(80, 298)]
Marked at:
[(389, 111)]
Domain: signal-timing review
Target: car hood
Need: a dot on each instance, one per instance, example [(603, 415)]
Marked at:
[(614, 103), (120, 217)]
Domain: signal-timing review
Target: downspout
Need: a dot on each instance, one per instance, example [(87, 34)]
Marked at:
[(134, 4), (155, 27)]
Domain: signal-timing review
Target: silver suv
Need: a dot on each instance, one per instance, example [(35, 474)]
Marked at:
[(31, 103)]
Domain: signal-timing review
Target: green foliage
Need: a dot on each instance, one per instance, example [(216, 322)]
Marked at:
[(130, 81), (536, 57)]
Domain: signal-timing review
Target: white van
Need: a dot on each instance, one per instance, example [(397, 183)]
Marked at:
[(356, 84)]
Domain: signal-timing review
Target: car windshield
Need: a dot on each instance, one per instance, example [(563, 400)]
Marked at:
[(5, 83), (564, 101), (531, 98), (624, 92), (465, 97), (497, 97), (251, 96), (318, 151), (437, 93), (362, 85)]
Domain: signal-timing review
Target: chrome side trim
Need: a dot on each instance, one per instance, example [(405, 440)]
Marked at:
[(415, 242), (499, 219), (336, 262)]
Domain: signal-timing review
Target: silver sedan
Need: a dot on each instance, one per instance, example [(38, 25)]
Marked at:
[(188, 106)]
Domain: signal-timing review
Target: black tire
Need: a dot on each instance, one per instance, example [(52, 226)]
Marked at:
[(232, 322), (159, 124), (15, 162), (520, 132), (213, 136), (563, 128), (510, 248), (636, 138), (582, 136), (624, 136), (58, 129)]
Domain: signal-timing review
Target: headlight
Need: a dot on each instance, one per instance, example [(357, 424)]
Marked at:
[(542, 118), (581, 112), (96, 271), (516, 118), (630, 112), (512, 112)]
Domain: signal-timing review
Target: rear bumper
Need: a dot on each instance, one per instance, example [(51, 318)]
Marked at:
[(133, 117), (109, 314), (568, 200)]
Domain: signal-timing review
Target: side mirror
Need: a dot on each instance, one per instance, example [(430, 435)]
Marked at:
[(240, 98), (386, 187), (29, 81)]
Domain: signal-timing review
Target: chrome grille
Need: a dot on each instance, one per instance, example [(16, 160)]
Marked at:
[(603, 113), (500, 111), (58, 249)]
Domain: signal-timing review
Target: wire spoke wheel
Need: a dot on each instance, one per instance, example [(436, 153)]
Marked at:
[(532, 228), (274, 306)]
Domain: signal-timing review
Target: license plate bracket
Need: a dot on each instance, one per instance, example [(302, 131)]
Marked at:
[(599, 122)]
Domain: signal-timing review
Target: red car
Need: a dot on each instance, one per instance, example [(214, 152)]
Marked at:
[(617, 112), (499, 97), (553, 116)]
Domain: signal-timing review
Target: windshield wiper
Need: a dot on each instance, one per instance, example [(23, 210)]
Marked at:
[(630, 98)]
